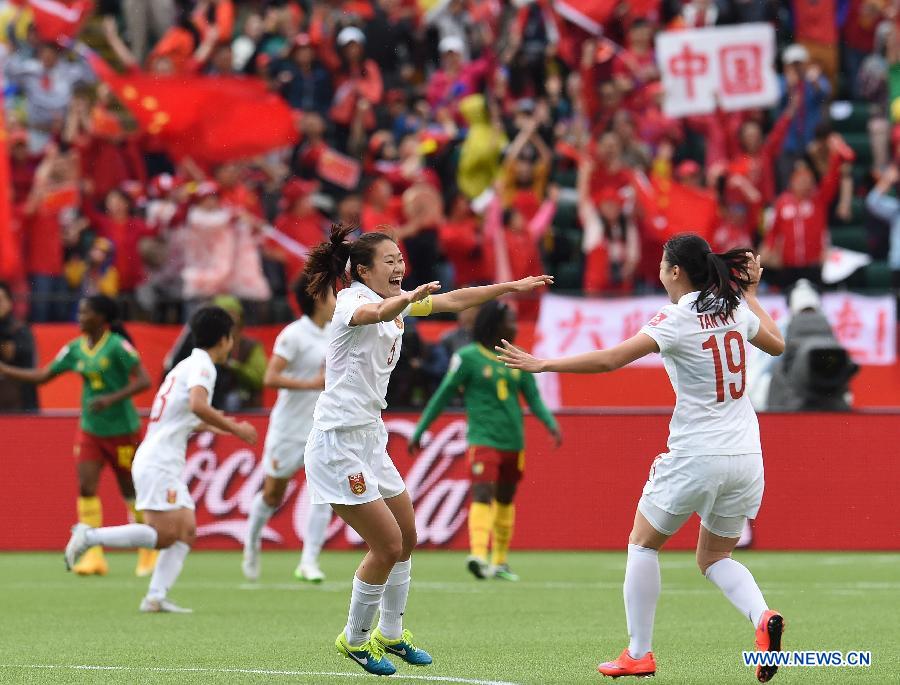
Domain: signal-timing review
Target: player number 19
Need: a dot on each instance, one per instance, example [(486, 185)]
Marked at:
[(734, 366)]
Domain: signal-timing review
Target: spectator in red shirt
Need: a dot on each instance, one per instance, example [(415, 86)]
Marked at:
[(358, 85), (380, 206), (456, 78), (23, 164), (610, 170), (234, 190), (635, 67), (462, 242), (299, 221), (610, 242), (119, 225), (794, 246)]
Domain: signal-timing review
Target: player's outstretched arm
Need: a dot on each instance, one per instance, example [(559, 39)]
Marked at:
[(392, 307), (33, 376), (457, 300), (199, 404), (600, 361)]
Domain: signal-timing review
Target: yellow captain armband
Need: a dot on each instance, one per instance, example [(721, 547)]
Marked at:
[(421, 308)]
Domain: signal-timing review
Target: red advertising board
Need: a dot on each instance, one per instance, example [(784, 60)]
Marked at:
[(831, 483)]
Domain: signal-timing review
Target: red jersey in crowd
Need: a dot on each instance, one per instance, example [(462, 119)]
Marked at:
[(43, 229), (463, 245), (126, 235), (799, 231)]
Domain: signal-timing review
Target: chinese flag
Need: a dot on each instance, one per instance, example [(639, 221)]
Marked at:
[(341, 170), (211, 119), (591, 15), (56, 21), (671, 208), (10, 254)]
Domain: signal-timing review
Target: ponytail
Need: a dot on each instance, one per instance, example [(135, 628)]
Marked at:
[(720, 278), (327, 262)]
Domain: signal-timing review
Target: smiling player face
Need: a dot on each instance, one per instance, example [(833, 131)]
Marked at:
[(387, 270)]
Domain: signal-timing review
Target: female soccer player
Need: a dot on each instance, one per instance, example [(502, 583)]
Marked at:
[(714, 463), (347, 464), (297, 370), (180, 407), (108, 431), (495, 433)]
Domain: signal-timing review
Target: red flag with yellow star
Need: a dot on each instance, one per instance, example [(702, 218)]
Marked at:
[(670, 208), (211, 119)]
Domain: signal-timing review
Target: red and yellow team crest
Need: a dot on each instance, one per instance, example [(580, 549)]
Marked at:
[(171, 496), (357, 483), (399, 322)]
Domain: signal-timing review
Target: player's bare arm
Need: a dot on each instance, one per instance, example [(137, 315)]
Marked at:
[(464, 298), (768, 338), (138, 382), (391, 307), (33, 376), (199, 405), (601, 361), (276, 378)]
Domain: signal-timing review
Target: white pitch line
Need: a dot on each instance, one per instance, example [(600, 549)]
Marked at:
[(254, 671)]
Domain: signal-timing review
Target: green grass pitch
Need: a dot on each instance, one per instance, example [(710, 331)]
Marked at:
[(552, 627)]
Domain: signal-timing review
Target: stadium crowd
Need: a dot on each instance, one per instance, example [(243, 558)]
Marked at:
[(497, 139)]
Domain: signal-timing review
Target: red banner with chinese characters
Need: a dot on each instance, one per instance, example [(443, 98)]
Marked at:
[(831, 483)]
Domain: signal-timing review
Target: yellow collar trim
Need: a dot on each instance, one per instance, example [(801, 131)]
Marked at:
[(486, 352), (92, 351)]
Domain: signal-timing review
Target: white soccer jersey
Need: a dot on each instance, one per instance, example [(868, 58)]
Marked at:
[(171, 419), (358, 364), (706, 359), (303, 345)]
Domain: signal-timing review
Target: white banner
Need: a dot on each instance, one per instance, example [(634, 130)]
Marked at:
[(866, 326), (734, 64)]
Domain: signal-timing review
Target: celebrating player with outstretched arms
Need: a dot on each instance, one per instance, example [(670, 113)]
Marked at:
[(714, 461), (347, 464), (181, 406)]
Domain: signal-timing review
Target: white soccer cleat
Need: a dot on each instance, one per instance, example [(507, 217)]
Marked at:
[(251, 564), (77, 545), (162, 606), (311, 573)]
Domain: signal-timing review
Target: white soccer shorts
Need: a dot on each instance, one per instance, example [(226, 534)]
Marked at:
[(283, 458), (158, 490), (350, 466), (724, 490)]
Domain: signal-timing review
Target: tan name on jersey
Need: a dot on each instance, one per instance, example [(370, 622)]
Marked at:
[(713, 320)]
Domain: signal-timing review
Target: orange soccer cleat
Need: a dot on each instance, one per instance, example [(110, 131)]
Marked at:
[(93, 563), (768, 639), (146, 562), (627, 665)]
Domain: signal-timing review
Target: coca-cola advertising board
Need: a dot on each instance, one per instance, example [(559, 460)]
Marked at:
[(831, 483)]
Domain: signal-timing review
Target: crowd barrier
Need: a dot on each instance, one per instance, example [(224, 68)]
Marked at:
[(832, 482)]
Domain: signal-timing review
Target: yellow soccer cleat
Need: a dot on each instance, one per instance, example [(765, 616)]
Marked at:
[(146, 562), (93, 563)]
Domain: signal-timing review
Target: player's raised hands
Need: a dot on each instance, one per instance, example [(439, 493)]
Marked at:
[(754, 271), (529, 283), (517, 358)]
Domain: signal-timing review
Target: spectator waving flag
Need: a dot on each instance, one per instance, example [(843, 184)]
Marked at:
[(211, 119), (57, 21)]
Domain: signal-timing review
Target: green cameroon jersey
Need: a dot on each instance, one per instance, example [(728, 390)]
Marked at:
[(491, 396), (105, 368)]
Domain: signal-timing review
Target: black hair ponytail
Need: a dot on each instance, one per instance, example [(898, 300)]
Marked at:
[(327, 262), (720, 278), (107, 307)]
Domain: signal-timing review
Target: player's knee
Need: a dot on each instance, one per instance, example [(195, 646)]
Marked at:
[(165, 537), (410, 540), (706, 558), (390, 552), (189, 536)]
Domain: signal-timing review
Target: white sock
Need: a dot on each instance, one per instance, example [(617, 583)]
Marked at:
[(737, 584), (363, 604), (393, 601), (641, 591), (168, 567), (130, 535), (317, 519), (260, 513)]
